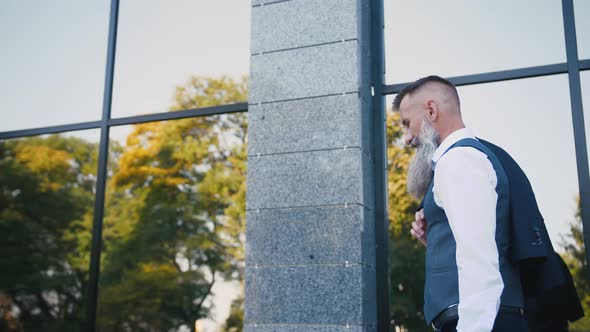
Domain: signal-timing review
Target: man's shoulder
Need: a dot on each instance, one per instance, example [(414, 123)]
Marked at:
[(467, 150), (462, 161)]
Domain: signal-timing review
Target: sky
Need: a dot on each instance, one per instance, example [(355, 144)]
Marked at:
[(52, 68)]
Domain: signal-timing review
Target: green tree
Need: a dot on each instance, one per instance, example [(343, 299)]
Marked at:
[(235, 320), (175, 215)]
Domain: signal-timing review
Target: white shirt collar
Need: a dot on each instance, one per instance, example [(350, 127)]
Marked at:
[(453, 138)]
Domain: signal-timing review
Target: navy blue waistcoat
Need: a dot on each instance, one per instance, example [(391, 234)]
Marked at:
[(441, 288)]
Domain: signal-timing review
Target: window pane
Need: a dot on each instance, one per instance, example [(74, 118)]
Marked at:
[(452, 38), (581, 13), (161, 46), (585, 81), (174, 226), (52, 62), (537, 131), (46, 208)]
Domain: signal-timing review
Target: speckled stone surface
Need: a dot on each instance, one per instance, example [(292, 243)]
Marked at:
[(308, 328), (310, 232), (304, 72), (322, 294), (324, 177), (292, 24), (311, 235), (307, 124)]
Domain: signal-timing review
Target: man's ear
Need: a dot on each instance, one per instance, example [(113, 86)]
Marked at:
[(432, 110)]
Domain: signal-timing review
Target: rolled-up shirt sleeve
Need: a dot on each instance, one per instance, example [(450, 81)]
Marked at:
[(465, 187)]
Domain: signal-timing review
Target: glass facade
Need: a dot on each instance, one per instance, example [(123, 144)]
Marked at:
[(170, 231), (163, 248), (585, 80)]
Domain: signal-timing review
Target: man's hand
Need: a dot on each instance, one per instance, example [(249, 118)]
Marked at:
[(419, 227)]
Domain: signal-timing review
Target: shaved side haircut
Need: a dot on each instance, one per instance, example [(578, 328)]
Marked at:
[(417, 85)]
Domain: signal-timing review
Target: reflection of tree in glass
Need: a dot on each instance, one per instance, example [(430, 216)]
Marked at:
[(234, 321), (175, 214), (575, 258), (46, 200)]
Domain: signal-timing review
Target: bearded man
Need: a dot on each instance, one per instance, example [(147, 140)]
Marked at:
[(471, 284)]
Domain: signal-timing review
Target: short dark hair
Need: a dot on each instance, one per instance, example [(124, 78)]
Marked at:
[(420, 83)]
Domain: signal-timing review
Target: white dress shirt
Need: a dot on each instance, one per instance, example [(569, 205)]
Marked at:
[(465, 188)]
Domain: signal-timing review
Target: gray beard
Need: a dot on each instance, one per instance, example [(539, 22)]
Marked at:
[(420, 169)]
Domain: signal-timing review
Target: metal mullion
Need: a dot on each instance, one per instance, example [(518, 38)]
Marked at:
[(92, 292), (182, 114), (50, 130), (497, 76), (584, 64), (380, 167), (577, 118), (222, 109)]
